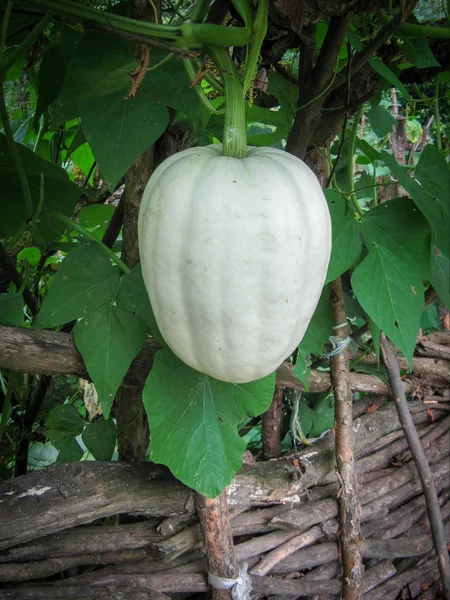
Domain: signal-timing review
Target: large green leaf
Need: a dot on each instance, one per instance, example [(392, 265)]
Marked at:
[(99, 438), (85, 281), (59, 193), (286, 93), (132, 297), (347, 246), (316, 336), (383, 70), (401, 227), (419, 52), (100, 65), (62, 424), (381, 120), (440, 275), (435, 209), (11, 310), (193, 419), (109, 340), (433, 172), (51, 76), (392, 295), (119, 129), (169, 84)]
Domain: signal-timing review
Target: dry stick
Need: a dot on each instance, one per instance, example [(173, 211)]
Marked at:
[(272, 421), (217, 540), (426, 477), (349, 505), (299, 541)]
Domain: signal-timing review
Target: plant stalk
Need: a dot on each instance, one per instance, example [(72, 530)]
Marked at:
[(259, 33), (234, 134), (85, 233), (186, 35)]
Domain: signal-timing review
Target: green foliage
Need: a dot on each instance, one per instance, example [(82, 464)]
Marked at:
[(132, 297), (434, 208), (99, 438), (381, 120), (197, 438), (315, 338), (11, 310), (109, 340), (347, 243), (60, 194), (316, 414), (399, 226), (85, 281), (392, 295), (108, 122)]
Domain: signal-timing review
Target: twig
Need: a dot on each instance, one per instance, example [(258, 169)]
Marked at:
[(361, 58), (303, 128), (272, 421), (299, 541), (426, 477), (345, 121), (114, 225), (217, 540), (88, 176), (349, 505)]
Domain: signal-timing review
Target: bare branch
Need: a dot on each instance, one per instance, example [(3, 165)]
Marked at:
[(426, 477), (349, 504)]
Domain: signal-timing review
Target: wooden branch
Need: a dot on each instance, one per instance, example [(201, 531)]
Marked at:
[(217, 541), (302, 131), (54, 353), (289, 547), (272, 421), (434, 367), (82, 492), (426, 477), (349, 504)]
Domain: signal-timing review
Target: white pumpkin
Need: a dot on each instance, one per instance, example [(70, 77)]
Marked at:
[(234, 256)]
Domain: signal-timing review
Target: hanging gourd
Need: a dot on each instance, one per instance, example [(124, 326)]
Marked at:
[(234, 245)]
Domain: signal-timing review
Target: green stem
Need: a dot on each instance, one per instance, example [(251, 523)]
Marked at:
[(418, 31), (213, 82), (374, 187), (186, 35), (350, 172), (13, 148), (24, 44), (56, 214), (437, 116), (200, 11), (259, 33), (234, 133), (4, 30), (199, 90), (244, 9)]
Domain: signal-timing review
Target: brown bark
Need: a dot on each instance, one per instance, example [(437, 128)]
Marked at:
[(349, 505), (54, 353), (217, 541), (272, 421), (418, 454), (132, 425)]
